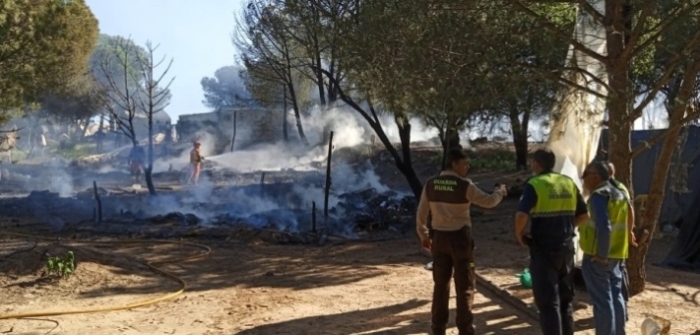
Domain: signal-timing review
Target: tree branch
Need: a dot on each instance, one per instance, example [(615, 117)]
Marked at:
[(565, 36)]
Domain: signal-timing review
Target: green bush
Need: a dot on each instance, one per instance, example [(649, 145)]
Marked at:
[(63, 267)]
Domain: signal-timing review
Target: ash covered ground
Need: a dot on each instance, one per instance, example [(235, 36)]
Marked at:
[(231, 197)]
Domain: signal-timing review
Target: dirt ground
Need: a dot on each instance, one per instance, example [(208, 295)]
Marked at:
[(250, 287)]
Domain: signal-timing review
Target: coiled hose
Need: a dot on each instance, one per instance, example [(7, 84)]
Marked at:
[(151, 265)]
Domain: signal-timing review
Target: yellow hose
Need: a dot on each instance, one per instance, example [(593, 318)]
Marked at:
[(183, 284)]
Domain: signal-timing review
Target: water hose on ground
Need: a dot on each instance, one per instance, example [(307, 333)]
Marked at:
[(151, 265)]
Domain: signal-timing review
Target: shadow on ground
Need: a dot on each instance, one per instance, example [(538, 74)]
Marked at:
[(398, 319)]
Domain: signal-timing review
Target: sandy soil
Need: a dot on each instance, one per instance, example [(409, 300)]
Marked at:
[(250, 287)]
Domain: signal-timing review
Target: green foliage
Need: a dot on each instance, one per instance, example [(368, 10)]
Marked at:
[(61, 266), (450, 66), (275, 72), (668, 47), (491, 160), (81, 99), (524, 60), (111, 54), (44, 44)]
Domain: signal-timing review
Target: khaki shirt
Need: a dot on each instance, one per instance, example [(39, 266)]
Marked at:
[(195, 157), (448, 197)]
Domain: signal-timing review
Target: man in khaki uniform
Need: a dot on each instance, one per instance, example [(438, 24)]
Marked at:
[(196, 159), (448, 198)]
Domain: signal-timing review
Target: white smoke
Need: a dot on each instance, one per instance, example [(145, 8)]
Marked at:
[(344, 179), (182, 161), (61, 181), (349, 130)]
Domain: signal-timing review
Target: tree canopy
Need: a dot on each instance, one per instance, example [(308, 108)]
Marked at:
[(225, 89), (106, 62), (44, 46)]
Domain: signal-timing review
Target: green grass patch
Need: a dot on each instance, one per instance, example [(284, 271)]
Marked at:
[(74, 150), (484, 160), (18, 156), (493, 159)]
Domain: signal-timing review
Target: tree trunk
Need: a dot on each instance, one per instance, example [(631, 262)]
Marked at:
[(148, 174), (618, 105), (319, 78), (619, 129), (297, 114), (293, 96), (521, 149), (449, 142), (647, 222), (451, 136), (233, 136), (148, 171), (317, 56), (83, 134), (519, 130), (332, 91), (650, 215), (285, 132), (405, 165), (619, 125)]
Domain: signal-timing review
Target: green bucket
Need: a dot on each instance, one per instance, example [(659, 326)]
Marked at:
[(525, 278)]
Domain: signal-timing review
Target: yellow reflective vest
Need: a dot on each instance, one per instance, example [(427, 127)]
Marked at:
[(556, 195), (618, 206), (621, 187)]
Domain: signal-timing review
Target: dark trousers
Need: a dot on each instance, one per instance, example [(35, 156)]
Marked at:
[(625, 287), (453, 253), (553, 287)]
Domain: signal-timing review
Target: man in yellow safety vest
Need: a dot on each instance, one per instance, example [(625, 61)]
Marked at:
[(630, 227), (554, 205), (604, 240)]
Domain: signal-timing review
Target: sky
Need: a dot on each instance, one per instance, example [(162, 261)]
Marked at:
[(196, 34)]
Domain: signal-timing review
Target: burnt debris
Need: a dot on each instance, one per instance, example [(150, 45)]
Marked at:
[(363, 214)]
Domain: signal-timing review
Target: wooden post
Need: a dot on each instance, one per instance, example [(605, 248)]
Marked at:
[(262, 184), (328, 175), (313, 216), (99, 202)]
